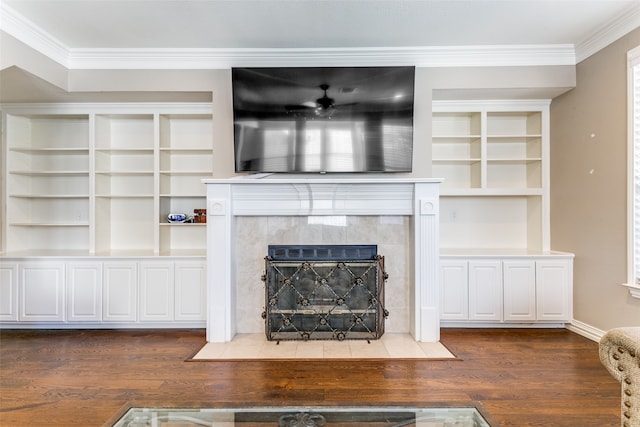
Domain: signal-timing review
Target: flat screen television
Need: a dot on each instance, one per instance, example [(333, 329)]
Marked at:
[(323, 119)]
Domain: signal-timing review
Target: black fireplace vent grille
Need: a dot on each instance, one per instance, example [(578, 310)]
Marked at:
[(311, 297), (322, 252)]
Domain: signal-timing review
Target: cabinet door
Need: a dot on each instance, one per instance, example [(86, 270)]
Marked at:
[(554, 290), (190, 291), (519, 290), (156, 291), (485, 290), (454, 290), (84, 292), (119, 291), (8, 292), (41, 292)]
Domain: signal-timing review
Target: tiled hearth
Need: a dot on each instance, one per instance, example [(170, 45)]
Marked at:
[(247, 214)]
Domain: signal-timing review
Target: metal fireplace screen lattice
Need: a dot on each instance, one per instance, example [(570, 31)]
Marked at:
[(324, 292)]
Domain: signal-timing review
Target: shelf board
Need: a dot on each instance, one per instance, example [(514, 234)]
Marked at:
[(124, 173), (455, 160), (499, 252), (126, 150), (49, 150), (62, 253), (182, 224), (49, 173), (207, 173), (514, 160), (479, 192), (50, 196), (187, 150), (124, 196), (518, 136), (458, 137), (182, 196), (190, 253), (49, 224)]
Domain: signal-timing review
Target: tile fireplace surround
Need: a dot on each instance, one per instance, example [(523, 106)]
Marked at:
[(231, 201)]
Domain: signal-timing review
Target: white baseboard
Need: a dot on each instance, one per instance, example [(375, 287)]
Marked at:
[(585, 330)]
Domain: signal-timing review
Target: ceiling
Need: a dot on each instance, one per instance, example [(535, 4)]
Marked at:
[(207, 34), (283, 24)]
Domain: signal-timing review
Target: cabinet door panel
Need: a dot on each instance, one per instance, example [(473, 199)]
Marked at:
[(485, 290), (454, 290), (119, 292), (8, 292), (554, 290), (42, 292), (84, 292), (519, 290), (190, 302), (156, 291)]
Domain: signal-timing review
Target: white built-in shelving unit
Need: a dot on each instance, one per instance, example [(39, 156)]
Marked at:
[(495, 161), (497, 265), (101, 181), (47, 183), (87, 190)]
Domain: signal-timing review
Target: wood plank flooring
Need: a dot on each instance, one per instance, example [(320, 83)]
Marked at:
[(522, 377)]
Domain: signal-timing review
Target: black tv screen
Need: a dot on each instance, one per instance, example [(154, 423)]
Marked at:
[(323, 119)]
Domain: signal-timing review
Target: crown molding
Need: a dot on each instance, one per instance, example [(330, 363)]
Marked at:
[(623, 24), (14, 24), (438, 56)]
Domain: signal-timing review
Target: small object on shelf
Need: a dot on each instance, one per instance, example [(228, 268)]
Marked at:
[(179, 218), (199, 216)]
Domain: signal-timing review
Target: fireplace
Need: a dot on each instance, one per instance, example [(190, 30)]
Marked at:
[(324, 292), (321, 196)]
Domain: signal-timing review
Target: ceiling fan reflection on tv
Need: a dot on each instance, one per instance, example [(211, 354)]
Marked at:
[(322, 107)]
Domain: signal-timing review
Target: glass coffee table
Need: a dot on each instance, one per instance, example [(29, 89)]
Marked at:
[(441, 416)]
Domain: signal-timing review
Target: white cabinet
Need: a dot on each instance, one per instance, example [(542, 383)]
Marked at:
[(104, 292), (86, 241), (120, 291), (454, 292), (84, 291), (8, 291), (494, 215), (485, 290), (506, 290), (156, 290), (553, 298), (42, 292), (172, 291), (190, 291), (520, 290)]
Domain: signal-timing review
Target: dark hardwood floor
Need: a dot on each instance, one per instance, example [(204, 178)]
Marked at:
[(82, 378)]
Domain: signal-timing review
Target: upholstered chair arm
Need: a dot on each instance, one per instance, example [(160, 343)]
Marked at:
[(620, 354)]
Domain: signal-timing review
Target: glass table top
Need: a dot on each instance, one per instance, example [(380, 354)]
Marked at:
[(459, 416)]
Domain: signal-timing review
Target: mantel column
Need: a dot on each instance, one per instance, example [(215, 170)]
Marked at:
[(221, 289), (426, 321)]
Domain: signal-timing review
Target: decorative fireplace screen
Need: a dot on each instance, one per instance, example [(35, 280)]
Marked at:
[(324, 292)]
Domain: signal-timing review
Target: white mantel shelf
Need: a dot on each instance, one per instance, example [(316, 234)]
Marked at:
[(329, 178), (321, 194)]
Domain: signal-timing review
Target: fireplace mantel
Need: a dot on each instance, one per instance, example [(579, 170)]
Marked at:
[(311, 195)]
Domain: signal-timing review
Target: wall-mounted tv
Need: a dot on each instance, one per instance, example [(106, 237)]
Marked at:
[(323, 119)]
